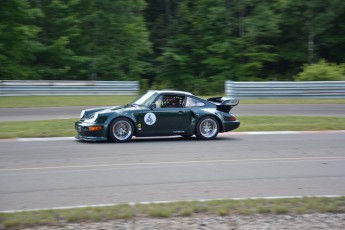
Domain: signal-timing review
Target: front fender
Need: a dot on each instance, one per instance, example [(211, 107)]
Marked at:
[(116, 116)]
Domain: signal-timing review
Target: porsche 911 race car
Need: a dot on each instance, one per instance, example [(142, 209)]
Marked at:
[(159, 113)]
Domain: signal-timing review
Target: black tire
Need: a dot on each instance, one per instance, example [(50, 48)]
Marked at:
[(207, 128), (121, 130)]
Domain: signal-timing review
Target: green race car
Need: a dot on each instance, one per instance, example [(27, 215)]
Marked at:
[(159, 113)]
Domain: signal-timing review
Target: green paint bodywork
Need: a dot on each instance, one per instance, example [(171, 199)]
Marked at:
[(169, 121)]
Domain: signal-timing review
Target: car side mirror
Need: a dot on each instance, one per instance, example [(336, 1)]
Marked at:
[(153, 106)]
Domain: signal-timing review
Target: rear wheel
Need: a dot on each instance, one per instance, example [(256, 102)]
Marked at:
[(207, 128), (121, 130)]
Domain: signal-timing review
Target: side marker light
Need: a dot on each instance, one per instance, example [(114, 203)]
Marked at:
[(95, 128)]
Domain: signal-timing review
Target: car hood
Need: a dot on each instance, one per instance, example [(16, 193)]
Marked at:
[(113, 109), (110, 109), (119, 109)]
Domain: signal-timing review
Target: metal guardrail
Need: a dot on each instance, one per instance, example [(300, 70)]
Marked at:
[(315, 89), (28, 87)]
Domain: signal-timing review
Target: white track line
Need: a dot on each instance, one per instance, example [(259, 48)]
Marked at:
[(167, 163)]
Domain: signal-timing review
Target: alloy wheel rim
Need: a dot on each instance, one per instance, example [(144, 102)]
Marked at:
[(208, 128), (122, 130)]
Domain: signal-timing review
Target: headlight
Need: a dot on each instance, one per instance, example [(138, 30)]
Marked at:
[(92, 119), (82, 114)]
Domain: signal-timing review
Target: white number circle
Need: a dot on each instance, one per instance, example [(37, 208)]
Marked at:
[(150, 118)]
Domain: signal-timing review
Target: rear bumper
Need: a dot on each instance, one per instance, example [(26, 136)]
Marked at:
[(231, 125)]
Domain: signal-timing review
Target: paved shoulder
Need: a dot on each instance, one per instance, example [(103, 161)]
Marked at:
[(46, 113)]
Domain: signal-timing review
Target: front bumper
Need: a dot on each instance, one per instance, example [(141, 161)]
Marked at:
[(84, 134), (84, 138)]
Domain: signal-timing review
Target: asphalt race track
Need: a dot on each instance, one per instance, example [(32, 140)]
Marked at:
[(27, 114), (48, 174), (63, 173)]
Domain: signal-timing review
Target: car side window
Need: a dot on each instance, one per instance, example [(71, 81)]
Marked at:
[(192, 102), (170, 101)]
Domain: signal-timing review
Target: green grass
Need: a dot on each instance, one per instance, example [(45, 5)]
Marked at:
[(290, 123), (65, 127), (45, 128), (295, 206), (99, 100), (61, 101)]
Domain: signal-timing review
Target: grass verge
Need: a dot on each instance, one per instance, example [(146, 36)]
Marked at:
[(19, 220), (65, 127), (61, 101), (290, 123), (101, 100)]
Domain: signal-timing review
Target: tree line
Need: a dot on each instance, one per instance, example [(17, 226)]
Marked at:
[(183, 44)]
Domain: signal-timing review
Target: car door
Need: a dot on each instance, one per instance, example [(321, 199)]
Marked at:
[(166, 118)]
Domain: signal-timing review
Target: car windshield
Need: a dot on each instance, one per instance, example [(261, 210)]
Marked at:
[(145, 99)]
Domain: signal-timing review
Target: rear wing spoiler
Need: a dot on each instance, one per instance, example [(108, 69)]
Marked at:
[(223, 103)]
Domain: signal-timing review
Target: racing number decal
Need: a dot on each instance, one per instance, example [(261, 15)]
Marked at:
[(150, 118)]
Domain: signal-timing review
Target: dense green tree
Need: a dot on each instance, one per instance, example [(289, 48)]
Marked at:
[(212, 41), (183, 44), (114, 39), (74, 39), (331, 42), (59, 26), (18, 39), (306, 28), (199, 49), (258, 25)]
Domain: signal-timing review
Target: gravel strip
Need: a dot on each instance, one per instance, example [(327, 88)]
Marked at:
[(201, 222)]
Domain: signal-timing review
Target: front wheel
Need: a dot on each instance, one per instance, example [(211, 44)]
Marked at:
[(207, 128), (121, 130)]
